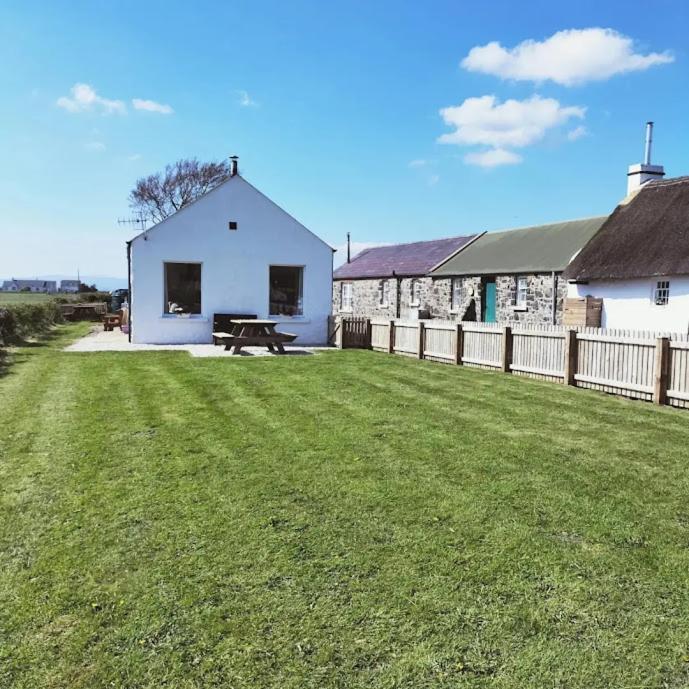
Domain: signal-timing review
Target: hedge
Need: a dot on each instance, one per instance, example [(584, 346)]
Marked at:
[(19, 321)]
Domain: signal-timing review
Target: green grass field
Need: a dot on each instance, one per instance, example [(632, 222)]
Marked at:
[(24, 298), (345, 520)]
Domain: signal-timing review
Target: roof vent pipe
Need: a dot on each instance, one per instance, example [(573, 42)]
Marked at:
[(234, 162), (649, 142), (641, 173)]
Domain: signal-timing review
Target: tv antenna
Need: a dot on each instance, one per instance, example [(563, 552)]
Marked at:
[(139, 223)]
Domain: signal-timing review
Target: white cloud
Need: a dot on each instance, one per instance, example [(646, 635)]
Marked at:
[(417, 163), (245, 100), (84, 98), (514, 123), (484, 121), (134, 157), (493, 157), (95, 146), (151, 106), (433, 180), (570, 57), (577, 133)]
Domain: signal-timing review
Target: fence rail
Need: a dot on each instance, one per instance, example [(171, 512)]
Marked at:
[(638, 364)]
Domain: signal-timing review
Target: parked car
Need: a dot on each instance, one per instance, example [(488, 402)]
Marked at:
[(118, 297)]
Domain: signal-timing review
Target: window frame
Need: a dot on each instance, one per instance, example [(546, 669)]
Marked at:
[(521, 293), (383, 294), (191, 314), (414, 285), (661, 293), (302, 269), (456, 290), (350, 287)]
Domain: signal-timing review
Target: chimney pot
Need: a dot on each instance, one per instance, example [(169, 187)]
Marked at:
[(234, 162)]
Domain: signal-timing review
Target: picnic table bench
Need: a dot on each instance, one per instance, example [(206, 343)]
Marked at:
[(253, 333)]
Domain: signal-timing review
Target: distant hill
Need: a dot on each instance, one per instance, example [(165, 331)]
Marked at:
[(104, 283)]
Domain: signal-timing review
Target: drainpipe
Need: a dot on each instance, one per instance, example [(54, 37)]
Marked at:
[(398, 283), (129, 287), (554, 300)]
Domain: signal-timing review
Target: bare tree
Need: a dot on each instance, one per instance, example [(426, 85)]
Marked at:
[(160, 195)]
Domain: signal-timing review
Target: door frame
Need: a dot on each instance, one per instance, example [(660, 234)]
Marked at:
[(485, 280)]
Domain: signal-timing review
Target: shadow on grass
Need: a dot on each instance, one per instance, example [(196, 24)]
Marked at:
[(11, 353)]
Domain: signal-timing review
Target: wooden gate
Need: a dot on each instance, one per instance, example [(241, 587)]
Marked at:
[(356, 333)]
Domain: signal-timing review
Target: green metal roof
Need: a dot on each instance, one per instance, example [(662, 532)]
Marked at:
[(540, 249)]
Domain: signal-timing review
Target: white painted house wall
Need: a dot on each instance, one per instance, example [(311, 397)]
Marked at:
[(629, 304), (235, 266)]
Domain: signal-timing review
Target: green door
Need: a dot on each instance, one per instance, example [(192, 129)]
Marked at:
[(488, 301)]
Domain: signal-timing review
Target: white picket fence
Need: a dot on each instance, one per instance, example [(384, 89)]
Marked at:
[(639, 364)]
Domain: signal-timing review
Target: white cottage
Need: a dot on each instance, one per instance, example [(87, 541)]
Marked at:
[(638, 263), (231, 251)]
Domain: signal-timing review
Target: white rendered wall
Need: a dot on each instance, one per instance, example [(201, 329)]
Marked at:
[(629, 303), (234, 266)]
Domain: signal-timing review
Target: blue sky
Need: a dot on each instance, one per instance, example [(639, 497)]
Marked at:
[(376, 118)]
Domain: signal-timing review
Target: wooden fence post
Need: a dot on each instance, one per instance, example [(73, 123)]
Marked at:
[(506, 348), (391, 334), (660, 370), (459, 345), (369, 333), (422, 339), (339, 334), (571, 357)]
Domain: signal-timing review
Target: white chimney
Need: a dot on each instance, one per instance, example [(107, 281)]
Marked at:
[(641, 173)]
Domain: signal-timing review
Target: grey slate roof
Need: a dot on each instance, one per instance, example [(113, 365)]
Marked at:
[(539, 249), (647, 236), (405, 260)]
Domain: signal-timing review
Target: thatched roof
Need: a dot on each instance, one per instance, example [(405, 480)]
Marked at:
[(646, 236)]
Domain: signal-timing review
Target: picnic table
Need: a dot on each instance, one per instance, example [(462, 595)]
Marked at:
[(253, 333)]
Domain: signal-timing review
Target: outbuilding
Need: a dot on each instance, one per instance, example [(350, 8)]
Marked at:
[(514, 275), (232, 251)]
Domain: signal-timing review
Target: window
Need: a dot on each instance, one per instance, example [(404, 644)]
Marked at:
[(522, 291), (661, 295), (286, 290), (182, 288), (415, 299), (383, 293), (456, 294), (346, 296)]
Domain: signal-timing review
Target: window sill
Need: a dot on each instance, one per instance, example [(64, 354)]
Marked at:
[(196, 318), (415, 306), (383, 306), (520, 308), (346, 311), (289, 319)]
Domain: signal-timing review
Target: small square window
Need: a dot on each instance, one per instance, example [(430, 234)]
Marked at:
[(661, 294), (232, 224)]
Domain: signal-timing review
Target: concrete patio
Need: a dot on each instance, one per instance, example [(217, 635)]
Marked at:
[(99, 340)]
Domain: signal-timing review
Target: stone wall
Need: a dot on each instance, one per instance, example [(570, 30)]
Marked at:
[(435, 297)]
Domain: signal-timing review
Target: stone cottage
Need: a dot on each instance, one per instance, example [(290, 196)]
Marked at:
[(514, 275), (392, 281)]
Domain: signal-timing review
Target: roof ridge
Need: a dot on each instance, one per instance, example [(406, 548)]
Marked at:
[(665, 182), (546, 224), (420, 241)]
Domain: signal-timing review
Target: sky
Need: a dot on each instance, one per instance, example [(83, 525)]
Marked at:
[(395, 121)]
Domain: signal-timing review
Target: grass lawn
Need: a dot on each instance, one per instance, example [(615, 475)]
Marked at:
[(11, 298), (345, 520)]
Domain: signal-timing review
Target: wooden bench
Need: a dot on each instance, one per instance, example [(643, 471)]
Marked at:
[(254, 333)]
